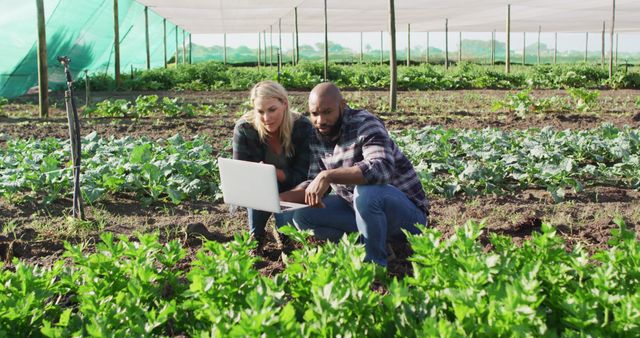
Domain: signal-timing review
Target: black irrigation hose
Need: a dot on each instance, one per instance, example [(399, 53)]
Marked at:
[(74, 135)]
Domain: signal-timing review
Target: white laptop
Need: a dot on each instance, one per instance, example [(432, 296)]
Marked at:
[(252, 185)]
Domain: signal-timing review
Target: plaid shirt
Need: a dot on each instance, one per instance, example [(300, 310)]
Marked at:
[(248, 147), (365, 142)]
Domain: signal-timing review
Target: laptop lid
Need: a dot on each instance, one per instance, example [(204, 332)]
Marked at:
[(249, 184)]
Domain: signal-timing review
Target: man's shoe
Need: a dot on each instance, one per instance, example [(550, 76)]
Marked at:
[(259, 249)]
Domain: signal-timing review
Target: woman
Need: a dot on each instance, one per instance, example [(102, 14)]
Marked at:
[(271, 133)]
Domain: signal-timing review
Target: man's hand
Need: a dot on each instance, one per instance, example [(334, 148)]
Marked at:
[(317, 189)]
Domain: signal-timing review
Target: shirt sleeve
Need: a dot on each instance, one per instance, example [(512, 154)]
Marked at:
[(299, 170), (242, 144), (377, 151)]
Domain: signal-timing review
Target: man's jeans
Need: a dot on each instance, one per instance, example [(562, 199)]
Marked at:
[(378, 211), (258, 220)]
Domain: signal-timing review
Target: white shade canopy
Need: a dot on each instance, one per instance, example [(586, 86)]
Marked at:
[(250, 16)]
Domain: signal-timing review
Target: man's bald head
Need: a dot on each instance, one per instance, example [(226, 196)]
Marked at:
[(326, 91), (326, 105)]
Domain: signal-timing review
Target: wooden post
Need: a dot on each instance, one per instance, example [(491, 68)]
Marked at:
[(459, 47), (116, 41), (190, 50), (427, 47), (326, 44), (602, 48), (507, 52), (280, 43), (446, 43), (184, 47), (392, 57), (270, 45), (87, 88), (381, 50), (146, 36), (613, 24), (361, 49), (43, 76), (586, 46), (164, 40), (293, 49), (295, 11), (617, 35), (524, 48), (493, 47), (264, 39), (555, 48), (259, 50), (177, 53), (224, 48), (539, 31), (408, 44)]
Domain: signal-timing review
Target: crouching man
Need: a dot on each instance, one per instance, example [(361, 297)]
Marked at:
[(376, 190)]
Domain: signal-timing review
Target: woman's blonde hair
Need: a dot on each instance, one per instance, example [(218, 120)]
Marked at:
[(274, 90)]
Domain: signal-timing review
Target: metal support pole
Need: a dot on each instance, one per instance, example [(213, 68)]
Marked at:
[(87, 88), (146, 36), (293, 49), (393, 95), (264, 39), (446, 43), (43, 76), (326, 44), (224, 48), (613, 24), (507, 52), (270, 45), (408, 44), (164, 40), (295, 11), (116, 42), (539, 31), (617, 35), (190, 50)]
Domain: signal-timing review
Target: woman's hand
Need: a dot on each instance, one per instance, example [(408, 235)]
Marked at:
[(281, 175)]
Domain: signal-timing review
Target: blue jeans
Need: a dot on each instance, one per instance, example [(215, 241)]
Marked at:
[(258, 220), (377, 212)]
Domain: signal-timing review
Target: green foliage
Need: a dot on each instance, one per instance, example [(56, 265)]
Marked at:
[(638, 102), (166, 170), (3, 101), (147, 105), (584, 100), (213, 75), (133, 287), (109, 108), (473, 162), (522, 103)]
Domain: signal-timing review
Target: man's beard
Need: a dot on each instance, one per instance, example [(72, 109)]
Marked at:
[(333, 132)]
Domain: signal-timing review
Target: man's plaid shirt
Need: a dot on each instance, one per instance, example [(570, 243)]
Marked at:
[(365, 142)]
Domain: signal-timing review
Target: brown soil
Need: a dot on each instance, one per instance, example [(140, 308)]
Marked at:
[(35, 233)]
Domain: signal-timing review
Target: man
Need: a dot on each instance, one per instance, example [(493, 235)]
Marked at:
[(377, 191)]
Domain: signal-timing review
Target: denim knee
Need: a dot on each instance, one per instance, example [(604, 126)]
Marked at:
[(367, 195)]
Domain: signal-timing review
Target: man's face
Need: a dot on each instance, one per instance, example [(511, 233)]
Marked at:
[(326, 115)]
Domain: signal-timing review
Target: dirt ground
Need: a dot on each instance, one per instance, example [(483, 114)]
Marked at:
[(36, 233)]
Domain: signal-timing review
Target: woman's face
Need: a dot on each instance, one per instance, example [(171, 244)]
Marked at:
[(270, 111)]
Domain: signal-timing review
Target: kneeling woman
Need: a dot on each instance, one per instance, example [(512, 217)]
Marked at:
[(273, 134)]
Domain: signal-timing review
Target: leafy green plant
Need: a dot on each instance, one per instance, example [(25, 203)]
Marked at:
[(522, 103), (3, 101), (584, 100), (638, 102), (108, 108), (147, 105)]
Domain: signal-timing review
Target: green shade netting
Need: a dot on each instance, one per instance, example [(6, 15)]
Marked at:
[(82, 30)]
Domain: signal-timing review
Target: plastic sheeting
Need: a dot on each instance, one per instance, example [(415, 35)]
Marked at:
[(244, 16), (82, 30)]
